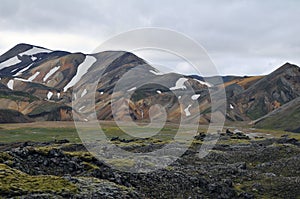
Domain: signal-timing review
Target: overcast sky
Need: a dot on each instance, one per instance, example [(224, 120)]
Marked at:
[(241, 37)]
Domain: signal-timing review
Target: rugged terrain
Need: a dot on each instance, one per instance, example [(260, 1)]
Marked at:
[(38, 84), (48, 160), (263, 95), (237, 167)]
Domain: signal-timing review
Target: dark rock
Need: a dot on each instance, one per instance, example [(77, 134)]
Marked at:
[(200, 136), (246, 195), (114, 139), (246, 165), (63, 141), (228, 132), (55, 153)]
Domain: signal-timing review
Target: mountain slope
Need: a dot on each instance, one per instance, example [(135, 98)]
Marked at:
[(48, 77), (266, 94), (39, 83), (286, 118), (12, 116)]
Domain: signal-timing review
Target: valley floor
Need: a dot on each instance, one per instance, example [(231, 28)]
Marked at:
[(47, 160)]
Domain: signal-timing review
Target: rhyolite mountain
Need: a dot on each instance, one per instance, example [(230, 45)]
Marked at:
[(286, 117), (270, 101), (38, 83), (255, 97)]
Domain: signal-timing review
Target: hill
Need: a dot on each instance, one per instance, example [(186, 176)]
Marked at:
[(286, 118), (250, 100), (39, 83)]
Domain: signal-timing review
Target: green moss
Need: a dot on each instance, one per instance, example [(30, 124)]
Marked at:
[(170, 168), (84, 155), (121, 163), (90, 166), (271, 188), (15, 182), (4, 156), (234, 141), (43, 150), (197, 142), (238, 187)]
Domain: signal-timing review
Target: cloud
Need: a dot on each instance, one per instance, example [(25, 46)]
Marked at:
[(242, 37), (54, 41)]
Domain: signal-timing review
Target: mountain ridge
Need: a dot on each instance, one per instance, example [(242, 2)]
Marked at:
[(49, 76)]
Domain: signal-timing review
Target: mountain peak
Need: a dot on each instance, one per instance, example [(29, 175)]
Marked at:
[(25, 45), (288, 65), (19, 48)]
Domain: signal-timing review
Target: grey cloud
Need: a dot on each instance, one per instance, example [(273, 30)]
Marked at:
[(240, 35)]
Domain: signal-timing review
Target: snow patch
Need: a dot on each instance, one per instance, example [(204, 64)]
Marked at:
[(158, 91), (101, 93), (204, 83), (49, 95), (10, 84), (84, 92), (155, 72), (132, 89), (10, 62), (195, 97), (186, 110), (80, 109), (179, 97), (34, 51), (231, 106), (81, 70), (50, 73), (179, 84), (23, 70), (33, 58), (13, 70), (20, 79), (33, 76), (58, 95)]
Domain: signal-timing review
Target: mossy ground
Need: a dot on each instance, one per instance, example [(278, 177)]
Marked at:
[(268, 187), (38, 134), (84, 155), (15, 182), (121, 163), (228, 152)]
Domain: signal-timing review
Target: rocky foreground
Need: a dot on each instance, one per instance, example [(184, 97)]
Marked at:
[(237, 167)]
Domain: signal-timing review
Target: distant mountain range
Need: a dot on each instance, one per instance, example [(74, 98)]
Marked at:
[(36, 85)]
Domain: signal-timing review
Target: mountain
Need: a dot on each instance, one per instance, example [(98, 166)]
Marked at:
[(286, 118), (25, 72), (255, 97), (38, 83)]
